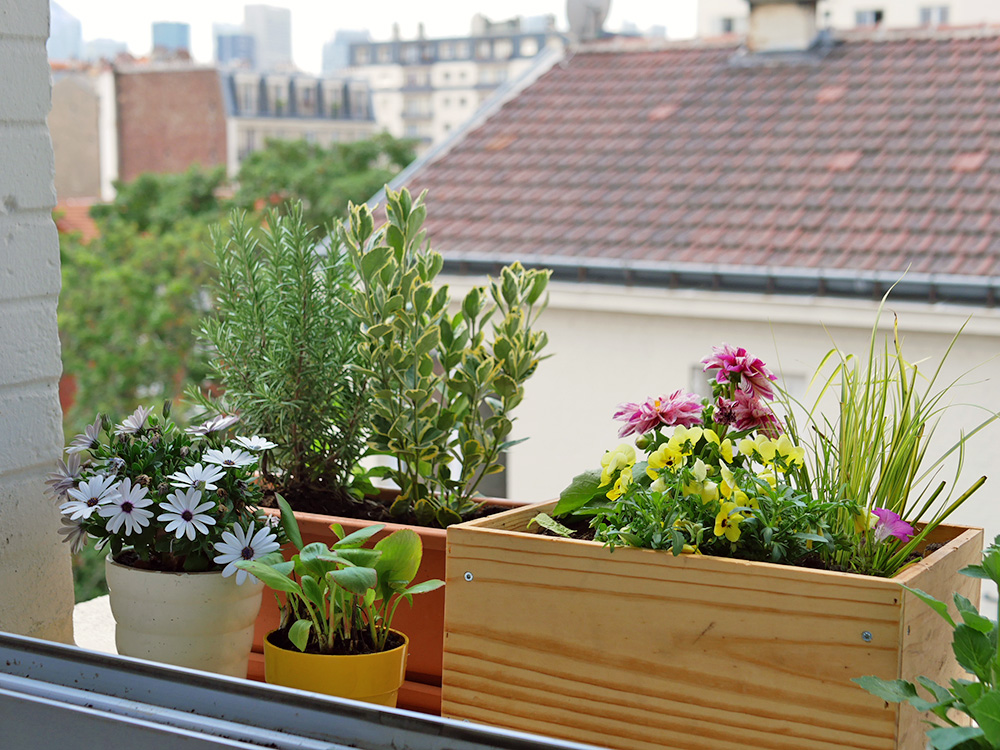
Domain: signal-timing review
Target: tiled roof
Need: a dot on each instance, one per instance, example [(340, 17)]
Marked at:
[(881, 154)]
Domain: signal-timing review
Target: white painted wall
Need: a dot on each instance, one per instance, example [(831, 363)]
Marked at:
[(897, 14), (612, 344), (36, 588)]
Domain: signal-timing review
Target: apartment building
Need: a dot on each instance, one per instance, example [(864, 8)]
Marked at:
[(426, 88), (719, 17)]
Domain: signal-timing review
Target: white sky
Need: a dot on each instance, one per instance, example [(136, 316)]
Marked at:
[(315, 21)]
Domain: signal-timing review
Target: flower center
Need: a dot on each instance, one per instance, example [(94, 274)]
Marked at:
[(229, 462), (187, 515), (247, 553), (127, 507), (92, 502)]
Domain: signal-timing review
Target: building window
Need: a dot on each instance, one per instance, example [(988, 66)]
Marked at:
[(446, 102), (934, 16), (427, 53), (384, 53), (528, 48), (361, 56), (868, 17), (248, 98), (445, 51), (727, 25), (446, 76), (461, 50), (461, 102), (484, 50), (307, 101), (411, 53), (413, 131), (334, 100), (503, 49)]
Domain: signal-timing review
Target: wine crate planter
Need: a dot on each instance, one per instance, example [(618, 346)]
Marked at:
[(638, 649), (423, 623)]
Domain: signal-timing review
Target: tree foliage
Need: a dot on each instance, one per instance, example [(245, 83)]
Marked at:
[(323, 179), (130, 301)]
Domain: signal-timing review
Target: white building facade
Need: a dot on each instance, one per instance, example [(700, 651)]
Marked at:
[(718, 17), (425, 89)]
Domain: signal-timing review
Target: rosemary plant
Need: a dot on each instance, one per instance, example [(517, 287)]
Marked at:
[(286, 348)]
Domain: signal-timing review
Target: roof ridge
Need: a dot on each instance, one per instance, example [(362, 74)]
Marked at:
[(619, 44)]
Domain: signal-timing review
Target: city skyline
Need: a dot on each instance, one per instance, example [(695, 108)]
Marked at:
[(314, 23)]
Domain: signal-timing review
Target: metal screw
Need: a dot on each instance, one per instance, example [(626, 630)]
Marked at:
[(468, 576), (866, 636)]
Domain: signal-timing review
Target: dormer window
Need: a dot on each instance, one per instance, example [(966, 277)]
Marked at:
[(868, 17), (934, 16)]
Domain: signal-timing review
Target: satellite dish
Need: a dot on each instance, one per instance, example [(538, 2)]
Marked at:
[(586, 17)]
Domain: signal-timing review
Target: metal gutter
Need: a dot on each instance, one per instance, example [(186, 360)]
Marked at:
[(872, 285), (52, 695)]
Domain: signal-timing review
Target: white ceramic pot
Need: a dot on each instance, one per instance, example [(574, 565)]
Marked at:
[(197, 620)]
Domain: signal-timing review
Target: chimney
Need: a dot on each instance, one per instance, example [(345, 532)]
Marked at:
[(782, 25), (420, 31)]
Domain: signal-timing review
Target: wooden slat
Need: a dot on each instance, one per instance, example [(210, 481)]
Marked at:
[(637, 649)]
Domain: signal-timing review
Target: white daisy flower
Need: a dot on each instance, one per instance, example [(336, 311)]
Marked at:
[(185, 514), (255, 443), (127, 509), (134, 422), (197, 477), (64, 477), (237, 545), (73, 533), (215, 424), (89, 438), (89, 496), (229, 458)]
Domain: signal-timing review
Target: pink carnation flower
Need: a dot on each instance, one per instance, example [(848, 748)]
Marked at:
[(737, 366), (753, 414), (679, 408)]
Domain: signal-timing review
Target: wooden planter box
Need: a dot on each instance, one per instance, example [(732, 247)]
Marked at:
[(640, 649), (423, 622)]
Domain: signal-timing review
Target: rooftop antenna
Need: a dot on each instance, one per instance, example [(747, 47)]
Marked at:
[(586, 17)]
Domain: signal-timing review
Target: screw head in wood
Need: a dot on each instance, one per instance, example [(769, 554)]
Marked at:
[(866, 636), (468, 576)]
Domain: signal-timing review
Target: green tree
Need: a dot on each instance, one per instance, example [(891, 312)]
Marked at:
[(129, 304), (323, 179), (155, 202)]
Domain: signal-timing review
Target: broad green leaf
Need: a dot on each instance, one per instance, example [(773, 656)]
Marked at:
[(359, 537), (549, 523), (447, 517), (949, 738), (269, 576), (298, 634), (373, 261), (424, 586), (313, 591), (401, 554), (584, 488), (288, 522), (364, 558), (356, 580), (974, 652), (894, 691), (986, 712), (940, 607), (940, 693)]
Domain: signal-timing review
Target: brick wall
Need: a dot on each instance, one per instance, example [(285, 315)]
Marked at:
[(36, 591), (168, 120)]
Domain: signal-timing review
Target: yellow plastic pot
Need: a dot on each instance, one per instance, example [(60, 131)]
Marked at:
[(372, 678)]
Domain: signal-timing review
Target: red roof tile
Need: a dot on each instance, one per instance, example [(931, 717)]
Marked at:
[(883, 154)]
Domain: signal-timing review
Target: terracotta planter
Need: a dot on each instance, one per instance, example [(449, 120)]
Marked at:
[(196, 620), (637, 648), (423, 623), (371, 678)]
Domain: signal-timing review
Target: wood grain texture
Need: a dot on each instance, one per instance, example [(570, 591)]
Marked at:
[(638, 649)]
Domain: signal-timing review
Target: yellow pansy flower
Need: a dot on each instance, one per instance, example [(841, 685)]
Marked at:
[(621, 484), (685, 438), (658, 484), (726, 450), (791, 454), (616, 460), (710, 436), (664, 457), (747, 447), (727, 523), (768, 476)]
